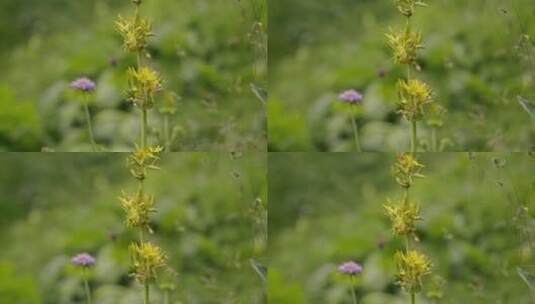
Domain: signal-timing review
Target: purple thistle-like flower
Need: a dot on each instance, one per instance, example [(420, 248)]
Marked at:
[(350, 268), (83, 259), (350, 96), (83, 84)]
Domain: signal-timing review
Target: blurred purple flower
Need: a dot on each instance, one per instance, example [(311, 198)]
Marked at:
[(83, 259), (350, 96), (350, 268), (83, 84)]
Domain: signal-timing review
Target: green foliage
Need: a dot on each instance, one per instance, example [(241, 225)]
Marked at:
[(328, 208), (15, 288), (20, 126), (286, 130), (283, 292), (202, 49), (317, 51), (57, 205)]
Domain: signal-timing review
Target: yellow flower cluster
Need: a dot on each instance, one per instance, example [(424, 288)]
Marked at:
[(406, 169), (137, 209), (143, 159), (412, 267), (407, 7), (135, 33), (144, 83), (413, 96), (147, 259), (405, 45), (404, 216)]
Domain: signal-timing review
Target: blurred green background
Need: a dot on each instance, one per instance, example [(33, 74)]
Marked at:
[(211, 208), (476, 57), (326, 209), (211, 54)]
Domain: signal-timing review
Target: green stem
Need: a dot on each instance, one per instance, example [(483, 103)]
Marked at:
[(138, 60), (137, 13), (166, 297), (141, 236), (353, 290), (86, 286), (167, 133), (355, 128), (434, 139), (146, 301), (407, 244), (144, 129), (414, 137), (407, 238), (89, 126), (413, 298), (138, 63)]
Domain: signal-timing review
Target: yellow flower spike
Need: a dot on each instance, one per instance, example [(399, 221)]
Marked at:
[(147, 259), (144, 83), (412, 267), (413, 96), (135, 33), (407, 7), (406, 169), (138, 208), (404, 216), (405, 45), (143, 159)]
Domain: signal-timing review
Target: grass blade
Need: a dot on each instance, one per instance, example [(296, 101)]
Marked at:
[(527, 106), (527, 277)]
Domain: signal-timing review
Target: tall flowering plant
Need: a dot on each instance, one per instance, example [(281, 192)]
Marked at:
[(147, 259), (414, 95), (144, 82), (412, 265)]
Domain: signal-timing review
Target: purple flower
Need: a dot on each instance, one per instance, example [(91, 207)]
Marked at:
[(350, 268), (83, 84), (83, 259), (350, 96)]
